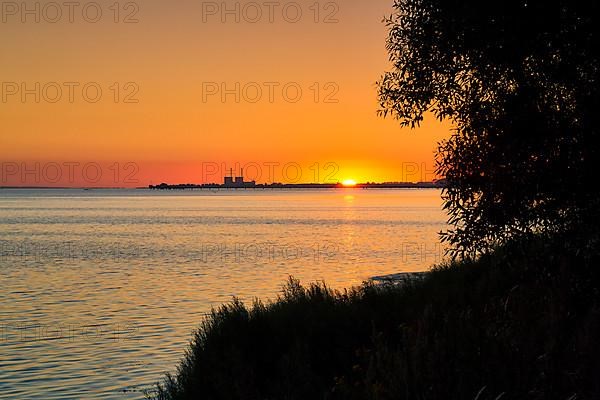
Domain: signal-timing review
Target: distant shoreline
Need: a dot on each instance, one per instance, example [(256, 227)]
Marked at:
[(302, 186), (386, 185)]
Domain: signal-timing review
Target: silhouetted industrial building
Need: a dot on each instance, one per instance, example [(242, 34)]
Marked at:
[(229, 181)]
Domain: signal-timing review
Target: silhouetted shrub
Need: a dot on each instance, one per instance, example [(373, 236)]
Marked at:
[(519, 80), (521, 322)]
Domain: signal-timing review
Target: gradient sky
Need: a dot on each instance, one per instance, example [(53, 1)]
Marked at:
[(173, 54)]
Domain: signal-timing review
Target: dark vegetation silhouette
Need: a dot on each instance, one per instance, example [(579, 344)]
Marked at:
[(520, 323), (519, 80), (516, 315)]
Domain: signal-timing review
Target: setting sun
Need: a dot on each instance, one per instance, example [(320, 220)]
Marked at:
[(349, 182)]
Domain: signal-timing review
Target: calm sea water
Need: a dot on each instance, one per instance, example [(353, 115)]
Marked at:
[(100, 290)]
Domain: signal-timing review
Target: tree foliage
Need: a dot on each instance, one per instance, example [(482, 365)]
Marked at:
[(519, 81)]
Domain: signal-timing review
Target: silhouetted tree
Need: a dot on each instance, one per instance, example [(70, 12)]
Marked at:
[(519, 80)]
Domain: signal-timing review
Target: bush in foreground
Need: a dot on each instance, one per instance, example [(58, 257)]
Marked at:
[(522, 322)]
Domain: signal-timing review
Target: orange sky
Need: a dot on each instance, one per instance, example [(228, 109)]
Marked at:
[(178, 128)]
